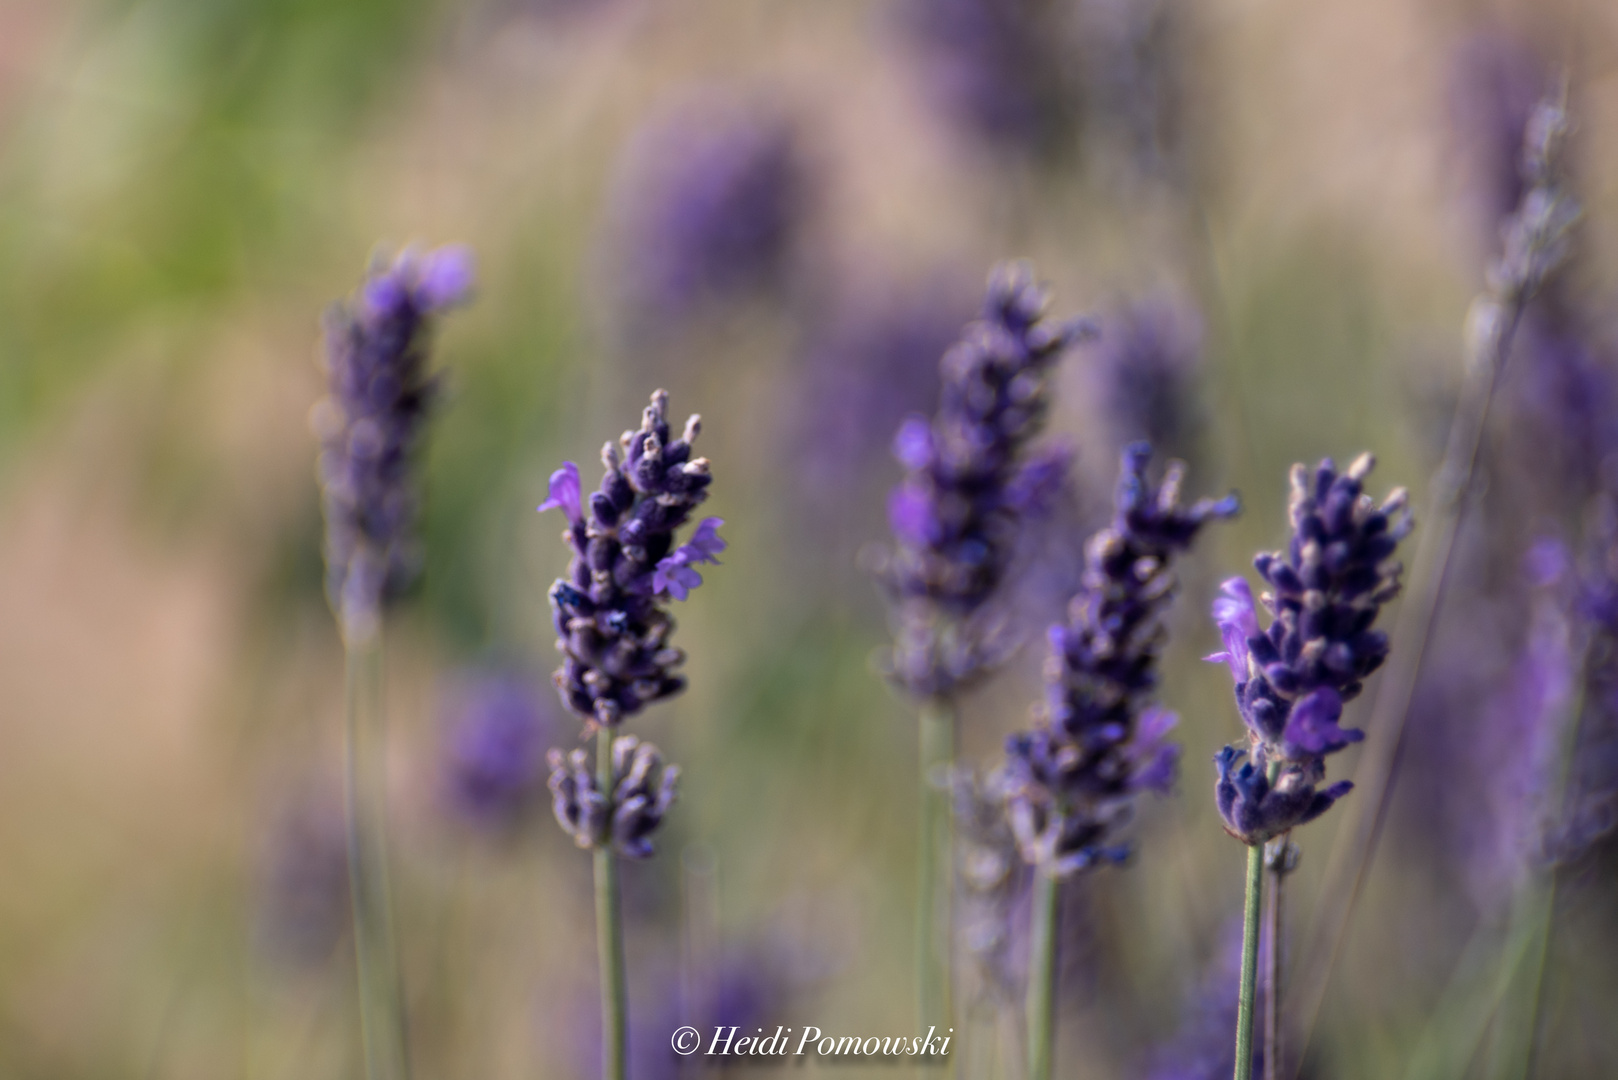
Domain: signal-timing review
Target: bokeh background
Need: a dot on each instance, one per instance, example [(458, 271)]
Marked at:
[(782, 213)]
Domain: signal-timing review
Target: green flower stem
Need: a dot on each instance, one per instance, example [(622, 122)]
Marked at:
[(381, 1001), (935, 869), (1249, 986), (609, 932), (1042, 975)]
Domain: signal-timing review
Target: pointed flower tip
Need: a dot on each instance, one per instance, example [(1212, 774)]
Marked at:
[(565, 493), (446, 277)]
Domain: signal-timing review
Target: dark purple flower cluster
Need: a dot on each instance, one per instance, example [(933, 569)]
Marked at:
[(1292, 679), (370, 426), (710, 198), (969, 482), (1073, 778), (643, 790), (494, 757), (613, 631)]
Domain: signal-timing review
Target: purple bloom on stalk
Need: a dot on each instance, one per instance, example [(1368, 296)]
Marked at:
[(1073, 778), (625, 818), (996, 67), (612, 632), (370, 426), (1292, 679), (711, 198), (494, 758), (969, 483)]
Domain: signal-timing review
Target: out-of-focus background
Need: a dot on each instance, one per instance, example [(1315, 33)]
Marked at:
[(782, 213)]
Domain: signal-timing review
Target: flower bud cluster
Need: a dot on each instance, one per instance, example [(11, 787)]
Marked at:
[(643, 789), (1293, 678), (1074, 776)]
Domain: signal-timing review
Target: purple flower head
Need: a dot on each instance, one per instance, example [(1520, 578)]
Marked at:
[(612, 631), (1101, 740), (1327, 589), (493, 755), (1144, 368), (969, 483), (711, 198), (370, 425), (643, 790), (997, 68), (675, 575)]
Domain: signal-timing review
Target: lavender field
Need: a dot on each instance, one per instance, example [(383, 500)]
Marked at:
[(1136, 595)]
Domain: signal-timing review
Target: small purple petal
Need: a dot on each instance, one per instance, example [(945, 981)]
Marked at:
[(705, 543), (446, 277), (1312, 728), (564, 494), (913, 445), (1237, 622), (910, 514)]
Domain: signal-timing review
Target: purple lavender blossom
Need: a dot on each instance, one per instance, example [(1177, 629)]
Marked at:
[(998, 68), (1074, 777), (612, 631), (710, 200), (1293, 679), (370, 427), (1496, 80), (302, 896), (1143, 368), (969, 482), (493, 757), (1202, 1049), (643, 790), (872, 360)]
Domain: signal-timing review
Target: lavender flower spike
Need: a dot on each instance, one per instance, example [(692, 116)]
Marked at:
[(968, 480), (612, 632), (643, 791), (1293, 679), (370, 427), (1074, 777)]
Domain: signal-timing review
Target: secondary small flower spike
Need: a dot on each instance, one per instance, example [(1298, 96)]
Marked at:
[(1293, 678), (370, 427), (612, 627), (1074, 777)]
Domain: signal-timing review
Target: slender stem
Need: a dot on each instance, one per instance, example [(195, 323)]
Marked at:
[(1280, 858), (382, 1021), (1249, 985), (609, 932), (1042, 975), (935, 872)]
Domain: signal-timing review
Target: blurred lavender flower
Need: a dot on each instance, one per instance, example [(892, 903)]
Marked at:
[(871, 361), (710, 199), (999, 68), (1495, 82), (1132, 57), (1073, 778), (613, 631), (494, 760), (643, 791), (302, 876), (1144, 365), (969, 482), (1292, 680), (1202, 1048), (370, 426)]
